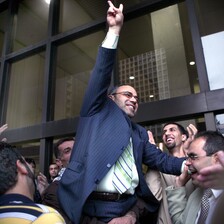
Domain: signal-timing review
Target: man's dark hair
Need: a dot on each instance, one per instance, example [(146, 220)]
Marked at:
[(8, 169), (58, 143), (113, 89), (179, 126), (214, 141)]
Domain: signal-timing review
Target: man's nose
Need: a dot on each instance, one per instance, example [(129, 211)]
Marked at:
[(188, 161)]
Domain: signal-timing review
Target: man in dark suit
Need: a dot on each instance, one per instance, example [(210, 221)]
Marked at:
[(87, 190)]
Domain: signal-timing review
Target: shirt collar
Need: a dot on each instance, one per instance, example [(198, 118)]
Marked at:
[(14, 198), (217, 193)]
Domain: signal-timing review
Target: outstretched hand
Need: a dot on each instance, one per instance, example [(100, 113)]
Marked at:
[(192, 131), (183, 178), (2, 129), (42, 183), (115, 18), (213, 176), (151, 138)]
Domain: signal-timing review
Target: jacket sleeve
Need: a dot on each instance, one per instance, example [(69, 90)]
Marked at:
[(177, 201), (154, 182), (155, 159), (96, 92)]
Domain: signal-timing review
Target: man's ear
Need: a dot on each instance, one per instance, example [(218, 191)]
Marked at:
[(20, 167), (184, 138), (58, 162), (215, 158), (111, 96)]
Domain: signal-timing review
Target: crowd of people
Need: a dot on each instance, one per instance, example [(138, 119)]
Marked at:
[(97, 176)]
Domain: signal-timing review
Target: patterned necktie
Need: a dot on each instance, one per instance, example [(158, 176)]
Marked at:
[(204, 206), (123, 170)]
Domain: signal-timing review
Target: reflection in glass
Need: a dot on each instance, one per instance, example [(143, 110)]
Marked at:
[(210, 13), (74, 13), (213, 46), (25, 92), (220, 123), (2, 28), (31, 23), (74, 63), (156, 50)]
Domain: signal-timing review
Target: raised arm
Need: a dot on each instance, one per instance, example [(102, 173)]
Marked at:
[(96, 92)]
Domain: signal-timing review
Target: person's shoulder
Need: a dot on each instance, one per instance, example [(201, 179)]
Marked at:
[(49, 216)]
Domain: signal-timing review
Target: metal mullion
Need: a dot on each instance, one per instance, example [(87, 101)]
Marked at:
[(197, 46), (46, 144)]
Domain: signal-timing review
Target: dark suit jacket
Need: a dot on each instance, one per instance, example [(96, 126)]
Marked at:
[(103, 133)]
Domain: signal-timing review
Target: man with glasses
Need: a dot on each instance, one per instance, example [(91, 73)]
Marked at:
[(202, 153), (17, 186), (104, 177)]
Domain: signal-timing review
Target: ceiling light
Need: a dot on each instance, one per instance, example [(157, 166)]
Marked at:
[(192, 63), (151, 96), (48, 1), (132, 77)]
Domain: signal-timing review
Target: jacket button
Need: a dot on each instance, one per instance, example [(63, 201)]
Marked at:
[(108, 165), (97, 181)]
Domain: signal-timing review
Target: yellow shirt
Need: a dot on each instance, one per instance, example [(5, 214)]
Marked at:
[(18, 209)]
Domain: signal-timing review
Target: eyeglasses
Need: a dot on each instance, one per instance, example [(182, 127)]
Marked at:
[(127, 94), (192, 157)]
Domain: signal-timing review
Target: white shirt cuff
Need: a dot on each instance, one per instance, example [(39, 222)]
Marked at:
[(110, 41)]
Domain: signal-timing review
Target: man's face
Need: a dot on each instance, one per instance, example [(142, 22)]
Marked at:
[(197, 158), (172, 136), (126, 98), (53, 170), (65, 152)]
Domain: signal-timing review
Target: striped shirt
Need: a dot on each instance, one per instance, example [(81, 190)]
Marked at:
[(18, 209)]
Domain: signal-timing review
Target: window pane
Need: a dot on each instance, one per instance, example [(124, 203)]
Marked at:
[(2, 29), (74, 64), (31, 151), (220, 123), (26, 92), (210, 13), (31, 23), (155, 51), (79, 12)]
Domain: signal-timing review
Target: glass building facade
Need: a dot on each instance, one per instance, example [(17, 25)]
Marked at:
[(172, 52)]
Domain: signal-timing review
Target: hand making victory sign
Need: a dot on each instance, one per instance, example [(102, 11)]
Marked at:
[(115, 18)]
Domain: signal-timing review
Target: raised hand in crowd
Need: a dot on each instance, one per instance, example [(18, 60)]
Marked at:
[(2, 129), (213, 176)]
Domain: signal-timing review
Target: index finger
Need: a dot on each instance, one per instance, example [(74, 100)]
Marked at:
[(112, 5)]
